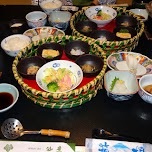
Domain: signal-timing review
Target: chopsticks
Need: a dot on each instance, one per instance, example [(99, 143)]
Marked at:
[(119, 5)]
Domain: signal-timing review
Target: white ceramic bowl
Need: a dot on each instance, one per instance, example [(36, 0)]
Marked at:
[(13, 44), (142, 13), (77, 74), (36, 19), (50, 5), (8, 96), (60, 19), (91, 11), (130, 82), (144, 81)]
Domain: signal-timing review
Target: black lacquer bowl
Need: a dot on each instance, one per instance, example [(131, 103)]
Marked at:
[(91, 64), (86, 27), (25, 63), (76, 48)]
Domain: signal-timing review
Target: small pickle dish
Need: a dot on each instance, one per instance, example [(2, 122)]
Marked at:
[(86, 90), (108, 46)]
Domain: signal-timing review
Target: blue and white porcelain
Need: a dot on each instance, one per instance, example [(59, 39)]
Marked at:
[(56, 64), (60, 19), (13, 44), (144, 81), (130, 82), (49, 6), (91, 11), (36, 19)]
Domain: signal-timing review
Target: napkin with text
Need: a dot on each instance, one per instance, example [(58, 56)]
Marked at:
[(101, 145), (26, 146)]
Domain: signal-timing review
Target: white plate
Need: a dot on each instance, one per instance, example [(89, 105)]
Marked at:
[(56, 64), (117, 61), (39, 33)]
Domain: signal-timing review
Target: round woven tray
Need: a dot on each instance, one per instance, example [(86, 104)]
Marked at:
[(69, 99), (110, 47)]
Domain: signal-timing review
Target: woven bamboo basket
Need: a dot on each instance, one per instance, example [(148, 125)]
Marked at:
[(110, 47), (69, 99)]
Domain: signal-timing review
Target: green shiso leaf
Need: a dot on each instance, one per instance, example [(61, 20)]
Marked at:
[(113, 83)]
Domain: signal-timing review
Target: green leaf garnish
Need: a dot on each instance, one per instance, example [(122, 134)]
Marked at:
[(99, 13), (124, 31), (113, 83)]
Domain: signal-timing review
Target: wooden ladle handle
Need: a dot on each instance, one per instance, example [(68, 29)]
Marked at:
[(51, 132)]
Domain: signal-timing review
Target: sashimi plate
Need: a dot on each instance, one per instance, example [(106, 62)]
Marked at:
[(39, 33), (117, 61)]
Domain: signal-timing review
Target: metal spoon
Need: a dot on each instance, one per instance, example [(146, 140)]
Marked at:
[(12, 129)]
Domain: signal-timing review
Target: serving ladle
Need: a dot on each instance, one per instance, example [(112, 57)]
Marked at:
[(12, 129)]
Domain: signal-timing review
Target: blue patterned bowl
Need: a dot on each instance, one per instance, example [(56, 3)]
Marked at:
[(60, 19), (13, 44), (92, 11), (49, 6), (36, 19), (144, 81), (130, 81), (51, 69)]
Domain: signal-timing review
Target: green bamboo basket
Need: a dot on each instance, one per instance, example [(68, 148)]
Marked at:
[(69, 99), (110, 47)]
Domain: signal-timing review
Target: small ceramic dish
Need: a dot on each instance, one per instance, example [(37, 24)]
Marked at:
[(117, 61), (39, 33), (102, 35), (86, 27), (120, 85), (145, 85), (59, 76), (76, 48), (126, 20), (92, 15), (8, 96), (17, 26), (123, 33), (28, 67), (90, 64), (141, 13), (50, 51)]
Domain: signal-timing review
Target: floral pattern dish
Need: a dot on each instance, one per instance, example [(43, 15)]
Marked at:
[(39, 33), (116, 58)]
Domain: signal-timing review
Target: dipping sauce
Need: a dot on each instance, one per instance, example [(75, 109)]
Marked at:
[(6, 99)]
